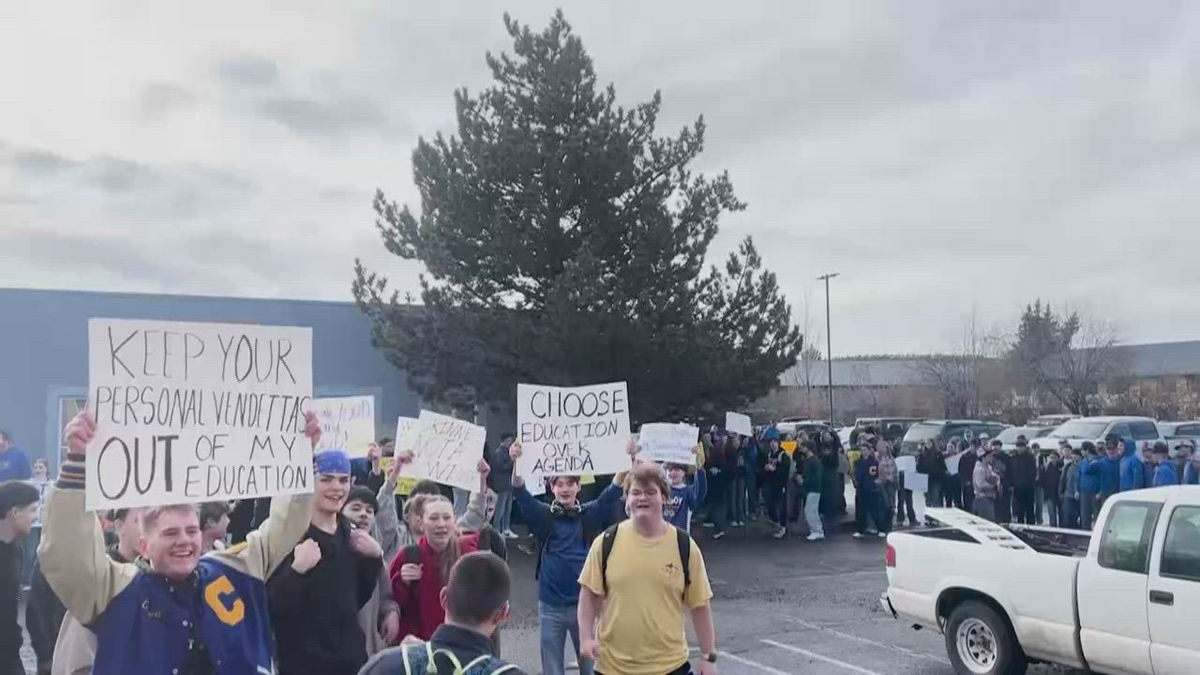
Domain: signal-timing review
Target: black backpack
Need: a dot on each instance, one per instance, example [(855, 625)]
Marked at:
[(682, 540)]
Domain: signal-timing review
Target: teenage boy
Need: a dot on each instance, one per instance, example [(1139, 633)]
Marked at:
[(476, 602), (867, 498), (814, 478), (186, 613), (638, 583), (18, 510), (316, 593), (1165, 475), (779, 467), (684, 498), (564, 528), (379, 619)]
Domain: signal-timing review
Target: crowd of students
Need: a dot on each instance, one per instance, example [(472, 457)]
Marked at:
[(349, 579)]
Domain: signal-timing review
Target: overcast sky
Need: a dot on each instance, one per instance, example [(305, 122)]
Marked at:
[(945, 157)]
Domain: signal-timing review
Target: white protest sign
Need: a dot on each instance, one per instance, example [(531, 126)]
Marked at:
[(193, 412), (738, 424), (906, 463), (672, 443), (573, 430), (347, 423), (445, 450)]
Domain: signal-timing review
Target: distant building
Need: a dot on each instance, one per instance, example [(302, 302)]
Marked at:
[(44, 356)]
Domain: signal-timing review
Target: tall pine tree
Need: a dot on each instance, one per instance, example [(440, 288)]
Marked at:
[(565, 244)]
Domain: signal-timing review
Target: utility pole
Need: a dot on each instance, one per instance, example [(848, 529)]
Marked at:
[(828, 341)]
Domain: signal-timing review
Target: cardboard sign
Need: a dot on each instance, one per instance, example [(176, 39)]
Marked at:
[(196, 412), (738, 424), (403, 485), (952, 463), (445, 450), (671, 443), (573, 430), (347, 423)]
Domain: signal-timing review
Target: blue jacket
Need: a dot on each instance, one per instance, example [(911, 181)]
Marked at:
[(866, 470), (1190, 475), (1110, 475), (1133, 474), (1089, 475), (1166, 474), (14, 465), (144, 622), (565, 541), (678, 509)]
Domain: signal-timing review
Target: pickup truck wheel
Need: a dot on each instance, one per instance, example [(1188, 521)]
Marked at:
[(979, 642)]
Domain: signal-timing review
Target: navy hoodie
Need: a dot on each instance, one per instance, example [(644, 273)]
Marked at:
[(683, 501), (1133, 473), (866, 470), (564, 541)]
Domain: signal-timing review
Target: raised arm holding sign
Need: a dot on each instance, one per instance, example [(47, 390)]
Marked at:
[(573, 430), (445, 450)]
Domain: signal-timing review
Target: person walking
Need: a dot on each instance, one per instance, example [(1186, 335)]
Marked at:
[(814, 482), (737, 495), (720, 479), (500, 480), (638, 580)]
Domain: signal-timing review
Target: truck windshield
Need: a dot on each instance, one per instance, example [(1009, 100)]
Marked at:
[(922, 432), (1088, 430)]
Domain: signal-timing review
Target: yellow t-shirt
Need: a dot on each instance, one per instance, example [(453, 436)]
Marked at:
[(642, 626)]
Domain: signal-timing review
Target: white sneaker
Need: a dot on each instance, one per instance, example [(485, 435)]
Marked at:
[(883, 535), (815, 537), (780, 533), (718, 535), (509, 534), (858, 535)]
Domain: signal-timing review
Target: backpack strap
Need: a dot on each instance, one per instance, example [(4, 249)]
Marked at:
[(684, 541), (417, 658), (606, 547)]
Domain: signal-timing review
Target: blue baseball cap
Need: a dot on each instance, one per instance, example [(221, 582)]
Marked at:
[(332, 462)]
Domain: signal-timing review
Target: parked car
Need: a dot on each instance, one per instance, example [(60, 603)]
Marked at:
[(1051, 420), (1009, 436), (944, 430), (1174, 432), (792, 426), (1122, 599), (1095, 429), (891, 428)]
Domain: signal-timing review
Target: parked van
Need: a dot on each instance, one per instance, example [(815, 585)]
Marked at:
[(944, 430)]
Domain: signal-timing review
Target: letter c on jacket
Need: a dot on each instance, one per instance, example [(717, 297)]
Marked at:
[(234, 613)]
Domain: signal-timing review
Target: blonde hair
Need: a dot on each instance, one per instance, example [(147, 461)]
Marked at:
[(151, 514), (645, 475)]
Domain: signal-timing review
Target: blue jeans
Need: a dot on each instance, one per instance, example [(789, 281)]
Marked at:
[(1088, 505), (502, 521), (556, 624)]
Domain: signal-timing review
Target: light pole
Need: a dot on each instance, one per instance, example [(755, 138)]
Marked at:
[(828, 342)]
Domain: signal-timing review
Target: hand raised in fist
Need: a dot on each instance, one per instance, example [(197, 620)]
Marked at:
[(312, 428), (365, 545), (79, 432), (514, 451), (306, 556), (410, 573)]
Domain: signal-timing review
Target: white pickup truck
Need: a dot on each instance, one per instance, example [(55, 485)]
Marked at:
[(1122, 601)]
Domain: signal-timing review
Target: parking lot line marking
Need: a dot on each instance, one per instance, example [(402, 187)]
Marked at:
[(826, 659), (856, 638), (752, 664)]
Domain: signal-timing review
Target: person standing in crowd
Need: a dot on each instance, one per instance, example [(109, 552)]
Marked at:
[(966, 476), (476, 603), (832, 489), (1049, 484), (196, 635), (720, 478), (1110, 467), (1089, 485), (750, 453), (40, 480), (684, 499), (1165, 474), (1131, 470), (419, 572), (564, 529), (1024, 481), (1191, 466), (368, 471), (637, 572), (1002, 465), (888, 482), (738, 497), (317, 592), (1148, 467), (986, 483), (379, 619), (951, 486), (73, 645), (214, 525), (779, 466), (14, 463), (18, 510), (867, 500), (1069, 485), (814, 481), (932, 463), (501, 481)]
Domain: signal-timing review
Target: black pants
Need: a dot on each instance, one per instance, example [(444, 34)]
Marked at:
[(951, 492), (685, 669), (968, 496), (1023, 511), (904, 503)]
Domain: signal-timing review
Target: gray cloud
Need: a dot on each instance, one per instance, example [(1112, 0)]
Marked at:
[(324, 117), (248, 71)]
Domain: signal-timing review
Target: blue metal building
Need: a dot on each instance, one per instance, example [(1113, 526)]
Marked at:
[(44, 357)]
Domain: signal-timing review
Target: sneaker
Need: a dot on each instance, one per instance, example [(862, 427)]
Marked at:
[(882, 535), (780, 533), (815, 537), (858, 535), (871, 530), (739, 524), (509, 534), (718, 535), (710, 524)]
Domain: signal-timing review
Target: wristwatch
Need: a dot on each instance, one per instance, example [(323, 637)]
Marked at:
[(711, 658)]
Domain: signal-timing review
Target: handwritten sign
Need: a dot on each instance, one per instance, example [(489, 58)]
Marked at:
[(445, 450), (738, 424), (671, 443), (573, 430), (193, 412), (347, 423), (403, 485)]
